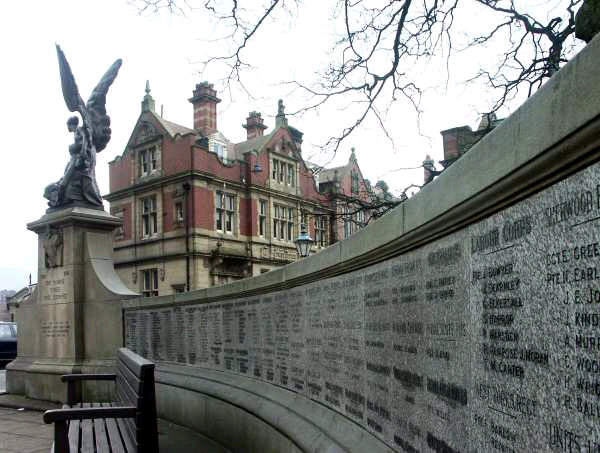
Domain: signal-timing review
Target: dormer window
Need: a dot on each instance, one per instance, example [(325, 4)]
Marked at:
[(219, 145), (219, 150), (147, 161)]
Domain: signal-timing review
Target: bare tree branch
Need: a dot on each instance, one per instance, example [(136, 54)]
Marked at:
[(373, 60)]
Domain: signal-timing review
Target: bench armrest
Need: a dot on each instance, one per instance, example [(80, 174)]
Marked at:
[(72, 379), (87, 377), (85, 413)]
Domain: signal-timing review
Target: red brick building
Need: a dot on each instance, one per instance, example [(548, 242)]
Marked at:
[(199, 210), (350, 196)]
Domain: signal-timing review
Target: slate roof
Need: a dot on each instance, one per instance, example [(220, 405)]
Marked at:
[(173, 128), (254, 144)]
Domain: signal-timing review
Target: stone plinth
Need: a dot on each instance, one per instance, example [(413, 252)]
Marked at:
[(73, 321)]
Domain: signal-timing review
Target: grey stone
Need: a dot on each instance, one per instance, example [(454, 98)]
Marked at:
[(73, 321)]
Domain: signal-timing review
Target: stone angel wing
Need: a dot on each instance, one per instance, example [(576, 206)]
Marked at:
[(94, 112), (96, 107), (69, 87)]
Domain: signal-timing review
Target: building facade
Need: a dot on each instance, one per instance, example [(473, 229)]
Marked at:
[(350, 196), (199, 210)]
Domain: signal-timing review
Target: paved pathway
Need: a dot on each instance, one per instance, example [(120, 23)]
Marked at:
[(24, 431)]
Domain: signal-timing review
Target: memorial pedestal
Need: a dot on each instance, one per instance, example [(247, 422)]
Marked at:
[(73, 322)]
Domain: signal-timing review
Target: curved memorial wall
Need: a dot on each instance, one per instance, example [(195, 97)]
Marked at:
[(467, 320)]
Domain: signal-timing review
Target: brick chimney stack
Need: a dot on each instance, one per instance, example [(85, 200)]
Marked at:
[(205, 102), (457, 141), (254, 125)]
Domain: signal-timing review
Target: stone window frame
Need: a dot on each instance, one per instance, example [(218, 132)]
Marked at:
[(119, 232), (147, 157), (229, 213), (320, 230), (283, 171), (153, 149), (180, 208), (146, 138), (283, 222), (152, 215), (149, 282), (348, 222), (178, 212), (291, 175), (263, 210)]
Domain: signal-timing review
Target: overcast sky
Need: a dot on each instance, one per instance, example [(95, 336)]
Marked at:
[(163, 49)]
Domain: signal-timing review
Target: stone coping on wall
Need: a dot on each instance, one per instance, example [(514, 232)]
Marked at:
[(308, 424), (528, 151)]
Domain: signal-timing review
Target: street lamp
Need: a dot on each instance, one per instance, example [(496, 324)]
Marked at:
[(303, 242)]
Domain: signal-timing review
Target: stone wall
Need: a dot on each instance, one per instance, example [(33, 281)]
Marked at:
[(468, 319)]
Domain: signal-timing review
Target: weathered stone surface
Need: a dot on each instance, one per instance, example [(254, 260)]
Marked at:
[(485, 339), (72, 322)]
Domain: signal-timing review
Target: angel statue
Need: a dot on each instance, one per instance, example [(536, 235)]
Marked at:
[(78, 186)]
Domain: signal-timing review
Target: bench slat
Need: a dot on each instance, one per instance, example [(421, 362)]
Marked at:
[(74, 436), (130, 438), (87, 436), (100, 434), (129, 425), (133, 380), (126, 397), (137, 364), (114, 438)]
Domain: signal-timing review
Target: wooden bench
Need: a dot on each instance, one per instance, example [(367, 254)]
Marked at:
[(128, 424)]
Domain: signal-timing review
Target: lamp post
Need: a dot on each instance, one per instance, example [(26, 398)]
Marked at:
[(303, 242)]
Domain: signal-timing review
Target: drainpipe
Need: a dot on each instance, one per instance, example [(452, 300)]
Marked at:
[(186, 188)]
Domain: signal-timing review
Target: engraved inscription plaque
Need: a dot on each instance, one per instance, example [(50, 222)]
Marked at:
[(487, 339)]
